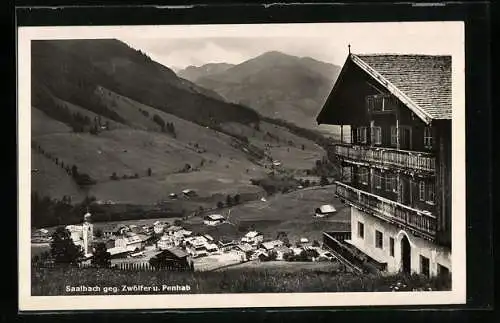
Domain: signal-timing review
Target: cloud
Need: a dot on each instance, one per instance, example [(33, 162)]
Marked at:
[(197, 46)]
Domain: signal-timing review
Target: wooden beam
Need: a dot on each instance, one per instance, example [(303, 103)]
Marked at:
[(397, 131)]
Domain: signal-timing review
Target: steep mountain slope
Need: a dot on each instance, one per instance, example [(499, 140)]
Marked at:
[(110, 123), (71, 70), (193, 73), (277, 85)]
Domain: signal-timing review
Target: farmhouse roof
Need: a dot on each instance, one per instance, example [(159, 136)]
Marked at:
[(283, 249), (177, 252), (225, 242), (253, 234), (215, 217), (143, 237), (211, 246), (327, 208), (245, 247), (74, 228), (208, 237), (272, 244), (425, 79), (421, 82), (116, 250)]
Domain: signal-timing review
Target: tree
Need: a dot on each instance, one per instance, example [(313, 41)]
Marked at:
[(281, 235), (220, 205), (303, 147), (63, 249), (101, 257), (98, 233), (229, 200), (74, 171), (177, 222), (315, 243), (323, 181), (237, 199), (150, 172), (158, 120)]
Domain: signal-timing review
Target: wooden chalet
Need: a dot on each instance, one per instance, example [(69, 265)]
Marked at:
[(396, 167)]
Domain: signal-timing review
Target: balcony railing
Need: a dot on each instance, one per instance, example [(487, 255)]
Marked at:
[(418, 221), (386, 156)]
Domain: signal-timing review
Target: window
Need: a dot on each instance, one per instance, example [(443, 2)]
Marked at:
[(379, 239), (430, 193), (347, 174), (391, 246), (361, 134), (363, 174), (390, 183), (361, 230), (424, 266), (442, 271), (376, 135), (394, 136), (428, 137), (377, 180), (421, 190)]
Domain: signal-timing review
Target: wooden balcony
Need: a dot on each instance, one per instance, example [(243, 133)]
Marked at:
[(409, 160), (419, 222)]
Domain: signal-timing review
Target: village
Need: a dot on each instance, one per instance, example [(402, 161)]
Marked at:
[(133, 246)]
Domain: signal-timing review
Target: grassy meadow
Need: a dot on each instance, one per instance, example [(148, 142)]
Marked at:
[(291, 212), (268, 280), (218, 165)]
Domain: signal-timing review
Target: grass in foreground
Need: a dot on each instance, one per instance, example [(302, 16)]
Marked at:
[(54, 281)]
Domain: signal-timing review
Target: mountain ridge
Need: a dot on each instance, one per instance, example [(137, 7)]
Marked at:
[(109, 122), (277, 85)]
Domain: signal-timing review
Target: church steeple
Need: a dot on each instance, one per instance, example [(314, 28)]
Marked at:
[(87, 216)]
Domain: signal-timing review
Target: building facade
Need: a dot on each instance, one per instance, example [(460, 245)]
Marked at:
[(396, 167)]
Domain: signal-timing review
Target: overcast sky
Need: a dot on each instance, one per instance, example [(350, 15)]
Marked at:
[(180, 46)]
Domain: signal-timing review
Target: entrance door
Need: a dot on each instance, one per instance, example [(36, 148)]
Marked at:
[(405, 255)]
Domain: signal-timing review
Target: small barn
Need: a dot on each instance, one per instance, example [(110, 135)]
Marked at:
[(189, 192), (172, 259), (213, 219), (324, 211)]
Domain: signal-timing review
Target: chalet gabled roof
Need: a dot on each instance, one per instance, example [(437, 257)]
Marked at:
[(421, 82)]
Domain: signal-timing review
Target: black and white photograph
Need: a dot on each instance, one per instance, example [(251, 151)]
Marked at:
[(256, 165)]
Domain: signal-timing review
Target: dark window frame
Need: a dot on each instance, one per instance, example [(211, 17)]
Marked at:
[(361, 230), (379, 240), (425, 266)]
